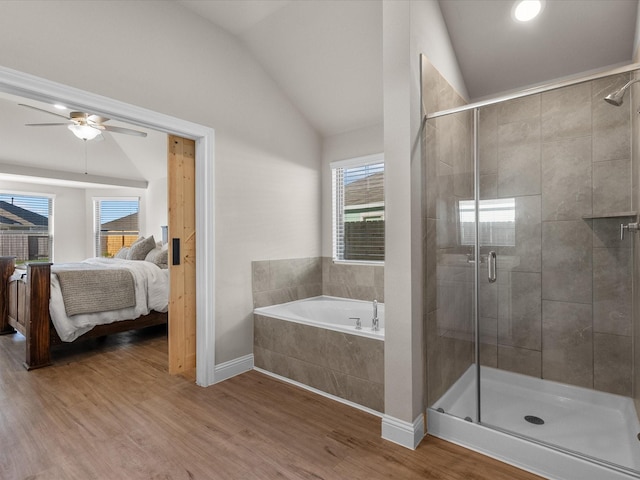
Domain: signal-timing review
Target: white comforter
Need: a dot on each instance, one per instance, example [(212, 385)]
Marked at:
[(151, 291)]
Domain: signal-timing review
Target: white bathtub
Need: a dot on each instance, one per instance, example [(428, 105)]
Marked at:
[(332, 313)]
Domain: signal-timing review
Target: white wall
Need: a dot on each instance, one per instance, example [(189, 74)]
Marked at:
[(158, 55), (409, 29), (156, 214), (69, 221), (357, 143)]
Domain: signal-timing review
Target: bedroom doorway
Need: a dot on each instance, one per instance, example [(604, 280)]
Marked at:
[(182, 254), (36, 88)]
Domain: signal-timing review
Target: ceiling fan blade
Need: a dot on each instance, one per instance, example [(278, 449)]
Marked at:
[(128, 131), (42, 110), (45, 124), (97, 119)]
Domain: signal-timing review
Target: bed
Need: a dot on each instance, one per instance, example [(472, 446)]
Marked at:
[(52, 304)]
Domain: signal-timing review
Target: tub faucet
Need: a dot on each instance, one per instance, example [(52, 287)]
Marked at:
[(374, 320)]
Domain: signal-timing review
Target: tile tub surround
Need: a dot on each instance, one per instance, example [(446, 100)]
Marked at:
[(281, 281), (356, 281), (341, 364), (286, 280)]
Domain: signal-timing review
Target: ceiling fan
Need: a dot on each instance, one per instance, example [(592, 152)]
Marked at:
[(85, 126)]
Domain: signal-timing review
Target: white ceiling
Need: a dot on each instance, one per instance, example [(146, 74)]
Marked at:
[(497, 54), (325, 54), (40, 150)]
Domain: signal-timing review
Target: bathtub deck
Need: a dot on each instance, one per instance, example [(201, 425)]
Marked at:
[(596, 424)]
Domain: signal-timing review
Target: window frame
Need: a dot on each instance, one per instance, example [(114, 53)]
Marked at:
[(337, 201), (95, 201), (50, 219)]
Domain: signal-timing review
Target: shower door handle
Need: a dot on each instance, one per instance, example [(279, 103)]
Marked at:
[(491, 263)]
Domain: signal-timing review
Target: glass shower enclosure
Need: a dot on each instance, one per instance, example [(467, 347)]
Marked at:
[(529, 207)]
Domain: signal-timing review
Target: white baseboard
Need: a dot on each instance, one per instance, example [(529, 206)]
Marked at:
[(403, 433), (233, 367)]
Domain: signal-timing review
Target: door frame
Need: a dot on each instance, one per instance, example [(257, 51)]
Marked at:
[(36, 88)]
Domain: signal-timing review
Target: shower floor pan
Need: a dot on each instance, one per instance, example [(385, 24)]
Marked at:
[(592, 423)]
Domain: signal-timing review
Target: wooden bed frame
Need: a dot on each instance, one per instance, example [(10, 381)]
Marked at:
[(24, 306)]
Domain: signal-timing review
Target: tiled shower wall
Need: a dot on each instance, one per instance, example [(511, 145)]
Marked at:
[(562, 303), (448, 178), (286, 280), (561, 308)]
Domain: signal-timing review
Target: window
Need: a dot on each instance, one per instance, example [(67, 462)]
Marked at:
[(358, 209), (25, 227), (115, 224), (497, 222)]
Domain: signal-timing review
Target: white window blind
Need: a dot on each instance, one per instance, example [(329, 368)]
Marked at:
[(115, 224), (26, 227), (358, 209)]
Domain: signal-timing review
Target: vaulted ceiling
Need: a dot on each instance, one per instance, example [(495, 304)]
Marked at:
[(327, 54)]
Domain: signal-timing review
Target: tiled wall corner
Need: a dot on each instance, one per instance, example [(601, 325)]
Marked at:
[(281, 281), (360, 282)]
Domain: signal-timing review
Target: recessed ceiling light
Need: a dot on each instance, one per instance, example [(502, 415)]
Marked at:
[(59, 106), (526, 10)]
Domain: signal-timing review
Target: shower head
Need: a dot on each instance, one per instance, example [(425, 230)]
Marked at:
[(617, 97)]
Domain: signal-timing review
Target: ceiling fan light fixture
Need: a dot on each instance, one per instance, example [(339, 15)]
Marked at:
[(84, 132)]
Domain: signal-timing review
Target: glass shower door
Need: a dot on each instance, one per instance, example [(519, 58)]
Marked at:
[(555, 327), (449, 264)]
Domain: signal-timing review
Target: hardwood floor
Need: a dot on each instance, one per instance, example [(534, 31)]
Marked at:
[(110, 411)]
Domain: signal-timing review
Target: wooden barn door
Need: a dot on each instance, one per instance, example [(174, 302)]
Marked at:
[(182, 255)]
